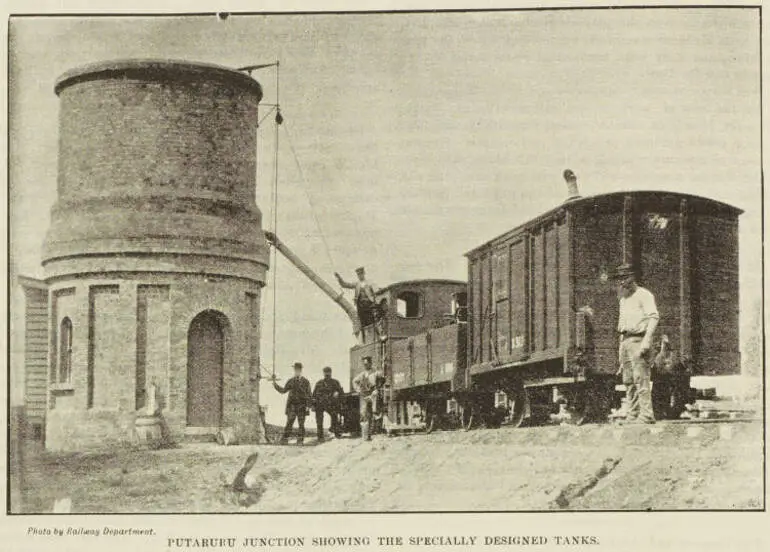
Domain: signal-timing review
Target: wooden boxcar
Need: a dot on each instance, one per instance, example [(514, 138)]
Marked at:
[(538, 338), (543, 307)]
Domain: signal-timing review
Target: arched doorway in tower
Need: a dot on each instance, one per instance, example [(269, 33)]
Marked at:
[(206, 349)]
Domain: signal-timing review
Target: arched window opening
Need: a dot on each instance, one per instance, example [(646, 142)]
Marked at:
[(408, 304), (65, 351)]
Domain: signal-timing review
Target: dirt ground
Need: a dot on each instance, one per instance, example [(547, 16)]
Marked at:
[(546, 468)]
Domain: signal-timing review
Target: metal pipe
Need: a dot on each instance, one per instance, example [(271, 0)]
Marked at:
[(335, 296), (572, 186)]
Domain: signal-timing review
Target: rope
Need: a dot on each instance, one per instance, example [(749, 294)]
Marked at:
[(275, 209), (306, 189), (259, 124), (273, 201)]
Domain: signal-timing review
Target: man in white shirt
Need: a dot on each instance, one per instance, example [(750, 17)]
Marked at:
[(365, 297), (637, 321), (367, 385)]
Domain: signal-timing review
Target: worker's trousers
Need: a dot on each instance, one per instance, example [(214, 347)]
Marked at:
[(319, 418), (636, 378), (291, 415), (368, 408)]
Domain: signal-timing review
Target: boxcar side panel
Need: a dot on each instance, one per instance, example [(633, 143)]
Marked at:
[(551, 271), (539, 289), (715, 287), (550, 288), (503, 324), (659, 253), (519, 314), (500, 274), (486, 309), (598, 243), (564, 294)]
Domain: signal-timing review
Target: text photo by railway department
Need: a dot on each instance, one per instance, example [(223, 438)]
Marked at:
[(386, 262)]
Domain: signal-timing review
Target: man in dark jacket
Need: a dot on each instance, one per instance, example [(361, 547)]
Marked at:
[(298, 403), (325, 396)]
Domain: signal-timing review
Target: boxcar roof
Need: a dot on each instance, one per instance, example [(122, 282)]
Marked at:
[(567, 205), (429, 281)]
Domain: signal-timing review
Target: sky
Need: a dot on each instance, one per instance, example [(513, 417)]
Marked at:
[(420, 136)]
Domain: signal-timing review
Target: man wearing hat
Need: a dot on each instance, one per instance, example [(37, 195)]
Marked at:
[(637, 321), (325, 395), (297, 404), (364, 296)]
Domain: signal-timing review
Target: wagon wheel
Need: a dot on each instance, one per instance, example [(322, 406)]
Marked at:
[(678, 398), (466, 417), (515, 414), (668, 398), (387, 425), (578, 406), (430, 423)]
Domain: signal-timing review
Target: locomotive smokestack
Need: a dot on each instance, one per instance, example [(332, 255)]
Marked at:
[(572, 187)]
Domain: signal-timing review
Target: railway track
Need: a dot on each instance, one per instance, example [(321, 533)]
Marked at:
[(683, 433)]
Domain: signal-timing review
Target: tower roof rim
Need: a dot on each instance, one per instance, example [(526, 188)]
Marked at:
[(158, 70)]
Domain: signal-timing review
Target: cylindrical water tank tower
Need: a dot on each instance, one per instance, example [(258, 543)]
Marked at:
[(155, 256)]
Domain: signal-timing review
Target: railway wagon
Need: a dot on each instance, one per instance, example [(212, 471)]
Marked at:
[(533, 333), (543, 306)]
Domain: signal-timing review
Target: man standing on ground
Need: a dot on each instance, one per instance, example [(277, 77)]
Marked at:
[(325, 396), (297, 404), (636, 324), (366, 385)]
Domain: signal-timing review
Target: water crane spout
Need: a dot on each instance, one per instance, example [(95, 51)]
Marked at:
[(335, 296)]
